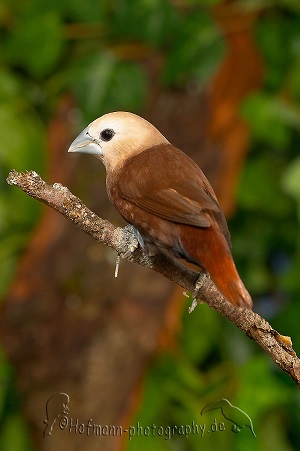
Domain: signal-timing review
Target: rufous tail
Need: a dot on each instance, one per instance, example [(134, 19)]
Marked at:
[(227, 280), (211, 251)]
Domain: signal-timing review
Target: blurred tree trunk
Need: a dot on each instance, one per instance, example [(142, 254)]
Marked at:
[(67, 324)]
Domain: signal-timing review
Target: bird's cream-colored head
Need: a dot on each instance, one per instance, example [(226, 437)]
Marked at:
[(117, 136)]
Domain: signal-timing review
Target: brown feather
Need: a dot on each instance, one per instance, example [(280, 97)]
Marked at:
[(210, 250), (165, 182), (165, 195)]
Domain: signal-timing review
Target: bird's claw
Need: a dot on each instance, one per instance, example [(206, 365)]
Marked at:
[(133, 239), (194, 305), (130, 240), (201, 279), (118, 259)]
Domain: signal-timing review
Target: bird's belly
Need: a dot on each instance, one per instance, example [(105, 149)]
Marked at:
[(156, 232)]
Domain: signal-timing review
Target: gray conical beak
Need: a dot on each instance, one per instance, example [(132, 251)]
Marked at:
[(84, 143)]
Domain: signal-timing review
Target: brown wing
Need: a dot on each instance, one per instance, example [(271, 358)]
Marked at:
[(167, 183)]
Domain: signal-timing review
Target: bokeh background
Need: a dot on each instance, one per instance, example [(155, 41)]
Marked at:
[(221, 79)]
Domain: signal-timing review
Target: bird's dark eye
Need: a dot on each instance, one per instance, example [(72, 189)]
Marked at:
[(107, 134)]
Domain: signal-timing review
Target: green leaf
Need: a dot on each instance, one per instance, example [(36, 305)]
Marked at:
[(257, 373), (274, 33), (259, 188), (291, 182), (85, 11), (289, 282), (294, 80), (15, 436), (151, 21), (204, 2), (103, 84), (206, 320), (20, 138), (269, 120), (10, 87), (37, 44), (196, 51)]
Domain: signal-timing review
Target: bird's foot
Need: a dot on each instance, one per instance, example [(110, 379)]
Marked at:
[(131, 239), (201, 279), (194, 305)]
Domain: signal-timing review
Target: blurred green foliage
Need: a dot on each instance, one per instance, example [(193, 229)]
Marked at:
[(22, 141), (54, 46)]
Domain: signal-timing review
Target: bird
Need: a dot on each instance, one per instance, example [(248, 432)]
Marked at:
[(165, 196), (237, 416)]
